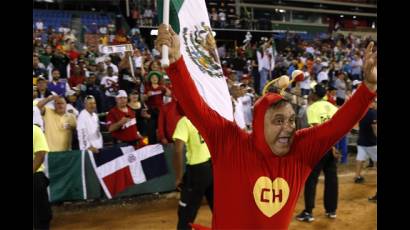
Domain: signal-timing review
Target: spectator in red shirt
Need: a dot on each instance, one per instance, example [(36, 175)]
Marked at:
[(76, 78), (72, 53), (169, 116), (154, 95), (122, 123)]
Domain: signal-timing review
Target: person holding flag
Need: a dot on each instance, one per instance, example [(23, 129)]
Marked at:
[(258, 177)]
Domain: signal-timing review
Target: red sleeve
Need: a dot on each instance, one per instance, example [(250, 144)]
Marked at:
[(316, 141), (111, 118), (213, 127)]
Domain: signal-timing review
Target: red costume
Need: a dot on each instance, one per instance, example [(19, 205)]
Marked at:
[(253, 187)]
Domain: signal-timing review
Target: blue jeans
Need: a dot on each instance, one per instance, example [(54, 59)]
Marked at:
[(342, 146), (263, 78)]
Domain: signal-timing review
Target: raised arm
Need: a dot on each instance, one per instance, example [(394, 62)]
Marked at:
[(209, 123), (317, 140)]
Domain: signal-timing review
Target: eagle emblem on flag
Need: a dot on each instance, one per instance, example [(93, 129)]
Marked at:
[(200, 45)]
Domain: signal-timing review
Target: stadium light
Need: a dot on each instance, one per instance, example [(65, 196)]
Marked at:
[(282, 11), (354, 17), (341, 15), (154, 32)]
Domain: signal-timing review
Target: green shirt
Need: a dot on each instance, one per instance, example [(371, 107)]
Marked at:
[(197, 150), (39, 143), (320, 111)]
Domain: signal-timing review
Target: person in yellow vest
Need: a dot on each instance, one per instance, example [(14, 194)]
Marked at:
[(197, 181), (42, 214), (317, 113)]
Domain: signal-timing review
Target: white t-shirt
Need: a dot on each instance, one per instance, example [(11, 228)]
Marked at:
[(263, 61), (305, 84), (222, 16), (114, 67), (247, 108), (148, 13), (108, 82), (88, 130), (138, 61), (322, 76), (39, 25)]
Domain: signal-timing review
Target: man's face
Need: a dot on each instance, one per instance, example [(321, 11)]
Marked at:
[(41, 85), (121, 101), (279, 128), (56, 75), (49, 50), (60, 105), (36, 61), (90, 105)]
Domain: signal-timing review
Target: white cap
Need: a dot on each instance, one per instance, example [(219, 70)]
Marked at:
[(122, 93), (356, 82)]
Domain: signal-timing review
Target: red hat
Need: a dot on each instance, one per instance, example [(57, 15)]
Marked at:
[(260, 108)]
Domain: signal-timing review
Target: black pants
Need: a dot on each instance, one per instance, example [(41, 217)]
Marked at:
[(42, 214), (328, 164), (152, 126), (197, 183)]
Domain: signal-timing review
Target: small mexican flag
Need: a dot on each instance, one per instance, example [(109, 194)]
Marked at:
[(190, 20)]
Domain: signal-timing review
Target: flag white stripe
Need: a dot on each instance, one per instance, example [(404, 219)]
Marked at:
[(137, 172), (107, 192), (46, 173), (83, 175), (213, 90)]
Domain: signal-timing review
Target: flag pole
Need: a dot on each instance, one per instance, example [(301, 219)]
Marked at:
[(165, 16)]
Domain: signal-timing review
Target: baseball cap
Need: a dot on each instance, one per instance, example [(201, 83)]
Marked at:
[(356, 82), (121, 93), (319, 90)]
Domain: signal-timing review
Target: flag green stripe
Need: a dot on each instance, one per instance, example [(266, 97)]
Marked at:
[(65, 175), (174, 7)]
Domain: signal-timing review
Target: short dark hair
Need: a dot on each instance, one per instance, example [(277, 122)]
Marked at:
[(279, 104)]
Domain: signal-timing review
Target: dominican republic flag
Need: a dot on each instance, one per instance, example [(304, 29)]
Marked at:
[(118, 168), (189, 19)]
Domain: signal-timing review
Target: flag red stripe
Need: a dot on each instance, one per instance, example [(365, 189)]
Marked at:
[(118, 181)]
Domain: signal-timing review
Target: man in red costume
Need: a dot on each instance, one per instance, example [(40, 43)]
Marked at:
[(258, 177)]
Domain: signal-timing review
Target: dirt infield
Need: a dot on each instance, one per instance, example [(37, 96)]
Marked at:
[(354, 210)]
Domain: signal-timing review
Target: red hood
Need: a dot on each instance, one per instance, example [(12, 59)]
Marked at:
[(258, 136)]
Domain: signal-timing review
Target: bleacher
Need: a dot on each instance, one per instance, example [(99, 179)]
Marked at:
[(91, 18), (52, 18)]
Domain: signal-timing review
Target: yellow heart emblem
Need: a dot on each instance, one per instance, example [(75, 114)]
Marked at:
[(270, 197)]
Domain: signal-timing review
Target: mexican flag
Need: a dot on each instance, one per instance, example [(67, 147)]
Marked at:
[(190, 20), (66, 173)]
